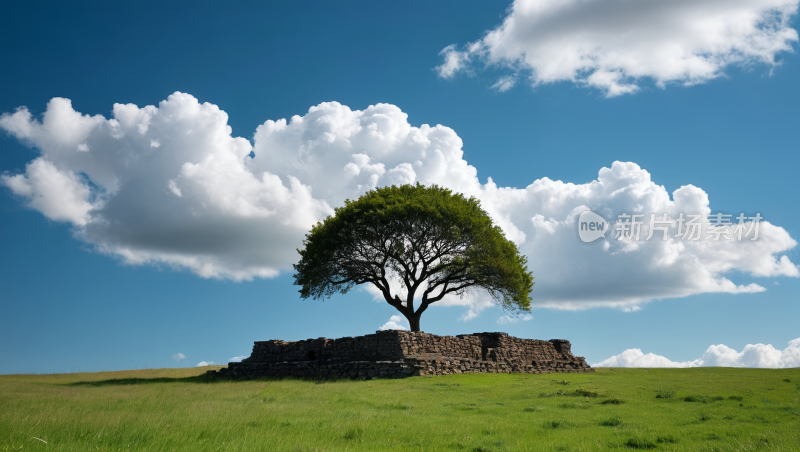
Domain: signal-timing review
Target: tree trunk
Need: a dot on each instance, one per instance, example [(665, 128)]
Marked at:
[(413, 322)]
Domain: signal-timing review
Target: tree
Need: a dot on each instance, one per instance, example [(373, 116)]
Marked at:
[(428, 238)]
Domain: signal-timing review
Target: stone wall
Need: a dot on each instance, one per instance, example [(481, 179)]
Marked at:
[(396, 353)]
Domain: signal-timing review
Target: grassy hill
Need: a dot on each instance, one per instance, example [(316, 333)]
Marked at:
[(716, 409)]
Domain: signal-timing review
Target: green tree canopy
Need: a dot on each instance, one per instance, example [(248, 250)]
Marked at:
[(430, 239)]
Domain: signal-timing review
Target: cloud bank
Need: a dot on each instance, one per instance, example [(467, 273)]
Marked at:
[(171, 185), (613, 44), (758, 355), (203, 363)]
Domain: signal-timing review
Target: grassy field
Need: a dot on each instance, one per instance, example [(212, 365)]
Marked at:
[(614, 409)]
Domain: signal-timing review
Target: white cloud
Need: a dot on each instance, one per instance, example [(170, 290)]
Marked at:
[(178, 356), (758, 355), (635, 358), (237, 359), (203, 363), (190, 202), (505, 83), (507, 319), (59, 194), (199, 201), (454, 61), (614, 44), (395, 323)]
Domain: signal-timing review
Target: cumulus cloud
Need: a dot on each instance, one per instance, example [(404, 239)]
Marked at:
[(178, 356), (203, 363), (59, 195), (614, 44), (223, 208), (237, 359), (395, 323), (166, 184), (758, 355), (634, 357)]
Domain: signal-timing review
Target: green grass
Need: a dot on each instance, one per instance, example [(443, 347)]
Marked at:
[(717, 409)]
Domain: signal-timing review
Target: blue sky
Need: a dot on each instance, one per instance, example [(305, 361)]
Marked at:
[(70, 298)]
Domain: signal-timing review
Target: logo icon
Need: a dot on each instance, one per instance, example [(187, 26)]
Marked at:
[(591, 226)]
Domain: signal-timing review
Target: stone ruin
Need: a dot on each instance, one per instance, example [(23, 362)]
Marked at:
[(394, 353)]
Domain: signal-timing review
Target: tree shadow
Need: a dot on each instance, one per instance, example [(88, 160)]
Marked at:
[(211, 379), (198, 379)]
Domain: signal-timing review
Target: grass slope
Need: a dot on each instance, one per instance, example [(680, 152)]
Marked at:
[(614, 409)]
